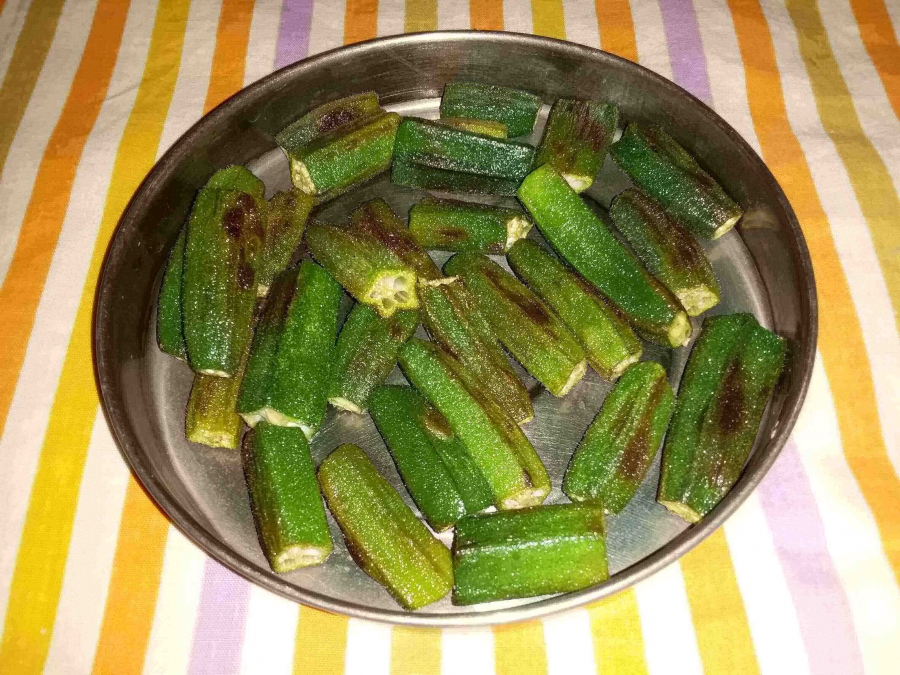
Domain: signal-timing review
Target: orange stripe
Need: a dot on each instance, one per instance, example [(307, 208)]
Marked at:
[(520, 649), (840, 333), (25, 66), (616, 630), (229, 59), (321, 643), (360, 21), (421, 15), (717, 609), (876, 31), (617, 28), (486, 14), (415, 651)]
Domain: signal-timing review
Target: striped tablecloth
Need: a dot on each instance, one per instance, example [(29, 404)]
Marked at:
[(803, 578)]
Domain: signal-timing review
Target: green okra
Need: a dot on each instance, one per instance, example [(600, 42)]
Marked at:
[(612, 459), (483, 127), (338, 160), (451, 316), (730, 375), (608, 341), (576, 139), (429, 178), (169, 314), (535, 551), (667, 249), (284, 497), (427, 143), (451, 225), (364, 266), (663, 169), (288, 212), (222, 248), (211, 417), (327, 118), (240, 178), (291, 360), (583, 239), (504, 454), (527, 327), (515, 108), (382, 533), (377, 219), (366, 353), (435, 465)]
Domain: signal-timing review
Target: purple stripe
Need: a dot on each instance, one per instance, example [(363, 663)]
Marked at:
[(685, 47), (221, 617), (293, 34), (799, 535)]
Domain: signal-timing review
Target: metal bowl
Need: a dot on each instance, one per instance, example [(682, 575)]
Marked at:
[(764, 267)]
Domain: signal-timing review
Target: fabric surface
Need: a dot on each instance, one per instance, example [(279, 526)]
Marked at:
[(802, 579)]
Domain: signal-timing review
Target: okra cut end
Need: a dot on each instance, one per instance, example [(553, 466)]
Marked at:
[(725, 227), (213, 439), (517, 228), (295, 557), (393, 291), (532, 496), (578, 182), (679, 333), (277, 419), (698, 299), (682, 510), (342, 403), (623, 365), (574, 378), (300, 177)]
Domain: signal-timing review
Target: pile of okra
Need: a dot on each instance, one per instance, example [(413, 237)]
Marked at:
[(257, 321)]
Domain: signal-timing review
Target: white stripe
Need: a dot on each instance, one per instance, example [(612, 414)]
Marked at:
[(26, 423), (570, 644), (12, 18), (368, 648), (767, 599), (38, 121), (850, 530), (172, 634), (653, 52), (453, 14), (470, 652), (849, 228), (263, 40), (893, 10), (517, 16), (95, 532), (270, 634), (670, 644), (581, 22), (391, 18), (327, 19)]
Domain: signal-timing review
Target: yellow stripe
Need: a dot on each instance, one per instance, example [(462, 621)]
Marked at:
[(876, 31), (415, 651), (840, 333), (321, 643), (40, 564), (548, 19), (720, 622), (421, 15), (617, 28), (486, 14), (360, 20), (25, 66), (520, 649), (616, 628)]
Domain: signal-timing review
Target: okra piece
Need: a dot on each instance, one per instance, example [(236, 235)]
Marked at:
[(427, 143), (443, 480), (667, 249), (528, 328), (729, 378), (377, 219), (169, 314), (338, 160), (284, 498), (366, 353), (608, 341), (483, 127), (450, 225), (535, 551), (451, 316), (576, 139), (291, 359), (364, 266), (583, 239), (612, 459), (288, 212), (659, 166), (222, 248), (501, 451), (515, 108), (428, 178), (211, 418), (240, 178), (327, 118), (382, 533)]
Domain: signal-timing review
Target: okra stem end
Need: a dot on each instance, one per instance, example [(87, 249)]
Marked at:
[(517, 228), (680, 330), (682, 510)]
